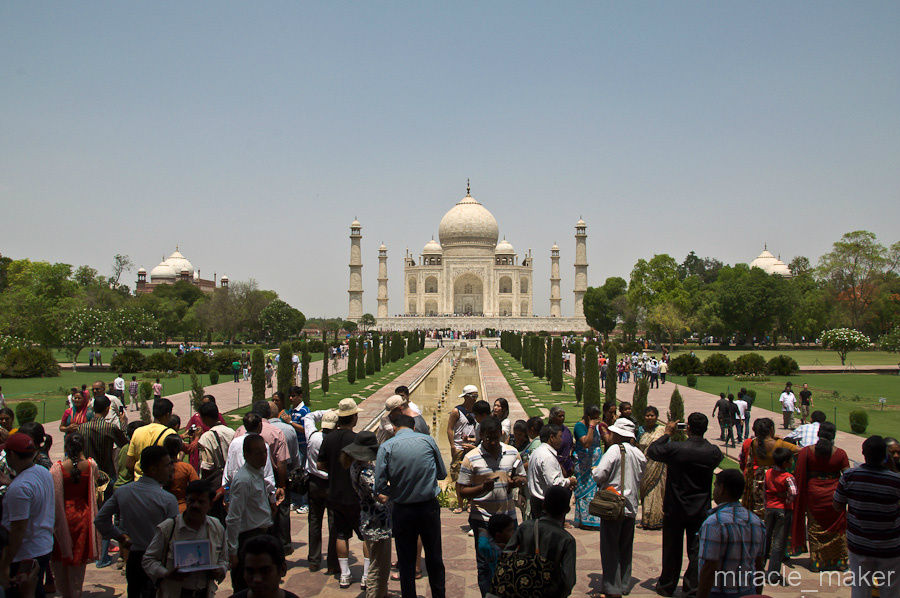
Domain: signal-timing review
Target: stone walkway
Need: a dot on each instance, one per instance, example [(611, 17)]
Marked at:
[(372, 406), (229, 395), (496, 386), (697, 400)]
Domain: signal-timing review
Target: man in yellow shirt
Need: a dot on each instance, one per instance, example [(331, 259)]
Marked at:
[(150, 435)]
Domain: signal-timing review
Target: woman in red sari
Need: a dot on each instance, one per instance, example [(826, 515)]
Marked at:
[(75, 538), (818, 471), (79, 413), (195, 429)]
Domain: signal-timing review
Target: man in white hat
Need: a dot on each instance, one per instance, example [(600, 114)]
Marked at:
[(342, 500), (398, 405), (461, 434), (617, 537), (318, 489)]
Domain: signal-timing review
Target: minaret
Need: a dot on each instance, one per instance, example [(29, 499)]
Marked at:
[(581, 266), (382, 282), (356, 289), (554, 282)]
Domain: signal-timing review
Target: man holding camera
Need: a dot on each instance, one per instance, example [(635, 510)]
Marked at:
[(688, 497)]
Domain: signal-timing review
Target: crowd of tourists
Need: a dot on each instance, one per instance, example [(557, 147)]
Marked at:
[(182, 507)]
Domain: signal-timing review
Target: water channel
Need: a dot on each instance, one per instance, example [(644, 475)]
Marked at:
[(439, 391)]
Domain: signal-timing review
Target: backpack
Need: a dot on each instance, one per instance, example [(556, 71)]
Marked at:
[(525, 575)]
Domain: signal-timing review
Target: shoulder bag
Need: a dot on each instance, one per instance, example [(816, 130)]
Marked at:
[(524, 575), (609, 505)]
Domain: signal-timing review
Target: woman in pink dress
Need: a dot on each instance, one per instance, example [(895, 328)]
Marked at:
[(75, 538)]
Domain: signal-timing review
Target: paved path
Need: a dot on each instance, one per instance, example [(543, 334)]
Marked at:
[(459, 560), (697, 400), (229, 395), (373, 404), (496, 386)]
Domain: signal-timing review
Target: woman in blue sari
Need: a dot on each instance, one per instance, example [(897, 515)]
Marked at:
[(589, 433)]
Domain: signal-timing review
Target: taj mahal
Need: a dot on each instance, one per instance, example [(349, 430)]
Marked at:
[(469, 279)]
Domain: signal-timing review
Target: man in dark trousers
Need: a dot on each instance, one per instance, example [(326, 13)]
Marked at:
[(688, 496)]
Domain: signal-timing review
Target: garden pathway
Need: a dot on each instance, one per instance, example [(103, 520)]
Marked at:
[(496, 386), (229, 395), (697, 400)]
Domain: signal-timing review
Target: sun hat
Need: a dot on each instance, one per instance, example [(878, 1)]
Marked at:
[(329, 420), (623, 427), (347, 407), (364, 448), (394, 402), (468, 389), (19, 443)]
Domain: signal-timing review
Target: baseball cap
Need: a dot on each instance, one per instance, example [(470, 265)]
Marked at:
[(468, 389), (329, 420), (19, 443), (347, 407)]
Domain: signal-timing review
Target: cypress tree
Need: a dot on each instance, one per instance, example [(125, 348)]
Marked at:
[(591, 377), (611, 374), (351, 362), (579, 373), (324, 364), (526, 352), (548, 367), (257, 374), (376, 351), (676, 412), (539, 357), (370, 359), (556, 367), (361, 351), (285, 370), (639, 400), (411, 344), (304, 371)]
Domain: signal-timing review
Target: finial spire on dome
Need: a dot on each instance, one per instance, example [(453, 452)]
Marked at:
[(468, 189)]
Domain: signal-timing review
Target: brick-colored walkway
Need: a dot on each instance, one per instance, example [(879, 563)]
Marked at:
[(496, 386)]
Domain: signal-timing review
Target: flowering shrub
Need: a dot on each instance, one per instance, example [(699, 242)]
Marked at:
[(844, 340), (8, 343)]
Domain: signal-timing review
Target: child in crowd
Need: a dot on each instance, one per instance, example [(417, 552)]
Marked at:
[(781, 490), (501, 528)]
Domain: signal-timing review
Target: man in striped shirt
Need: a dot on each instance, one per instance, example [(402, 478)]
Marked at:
[(870, 494), (487, 476)]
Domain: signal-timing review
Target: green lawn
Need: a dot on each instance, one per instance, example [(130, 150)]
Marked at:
[(805, 356), (49, 394), (339, 388), (541, 395), (835, 394)]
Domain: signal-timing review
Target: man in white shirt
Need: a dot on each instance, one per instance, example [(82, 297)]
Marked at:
[(119, 386), (116, 408), (318, 489), (235, 459), (788, 406), (250, 505), (740, 405), (544, 469), (617, 537)]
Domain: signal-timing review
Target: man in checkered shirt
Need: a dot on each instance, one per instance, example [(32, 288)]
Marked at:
[(807, 434), (732, 543)]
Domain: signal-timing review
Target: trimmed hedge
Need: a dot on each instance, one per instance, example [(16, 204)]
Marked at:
[(129, 361), (750, 363), (26, 412), (162, 361), (782, 365), (28, 362), (717, 364), (692, 380), (685, 364), (194, 361), (859, 421)]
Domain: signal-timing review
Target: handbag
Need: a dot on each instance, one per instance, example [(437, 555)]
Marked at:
[(609, 505), (522, 575)]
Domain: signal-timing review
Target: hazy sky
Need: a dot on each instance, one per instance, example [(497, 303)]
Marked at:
[(251, 134)]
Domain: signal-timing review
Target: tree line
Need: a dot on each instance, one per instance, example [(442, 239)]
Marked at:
[(855, 285)]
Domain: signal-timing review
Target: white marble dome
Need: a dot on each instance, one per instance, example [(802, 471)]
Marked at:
[(179, 263), (432, 246), (504, 247), (163, 270), (770, 264), (468, 223)]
